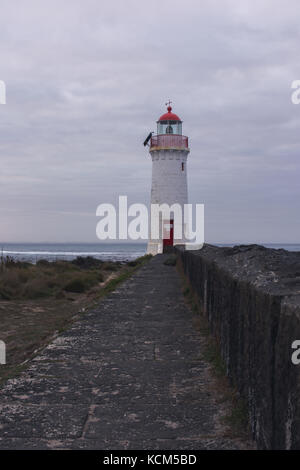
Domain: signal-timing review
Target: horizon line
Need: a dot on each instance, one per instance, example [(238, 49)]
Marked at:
[(141, 243)]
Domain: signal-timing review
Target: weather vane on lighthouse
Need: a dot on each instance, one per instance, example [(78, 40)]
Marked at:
[(169, 150)]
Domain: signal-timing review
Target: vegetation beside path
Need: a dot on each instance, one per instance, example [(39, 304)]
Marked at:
[(38, 301)]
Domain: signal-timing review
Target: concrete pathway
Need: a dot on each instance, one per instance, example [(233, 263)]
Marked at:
[(128, 375)]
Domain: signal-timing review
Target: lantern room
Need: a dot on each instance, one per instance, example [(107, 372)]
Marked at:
[(169, 123), (169, 133)]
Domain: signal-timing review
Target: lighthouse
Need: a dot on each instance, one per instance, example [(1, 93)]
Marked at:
[(169, 150)]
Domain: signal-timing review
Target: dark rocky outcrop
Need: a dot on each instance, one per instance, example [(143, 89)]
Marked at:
[(251, 297)]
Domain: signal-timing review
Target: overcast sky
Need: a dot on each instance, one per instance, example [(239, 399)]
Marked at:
[(87, 80)]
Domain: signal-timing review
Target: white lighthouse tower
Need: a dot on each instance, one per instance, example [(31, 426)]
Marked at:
[(169, 150)]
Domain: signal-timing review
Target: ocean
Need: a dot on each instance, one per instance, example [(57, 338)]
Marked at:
[(106, 251), (67, 251)]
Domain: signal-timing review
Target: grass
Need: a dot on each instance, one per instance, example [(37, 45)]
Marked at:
[(42, 300), (212, 355), (20, 280), (111, 285), (186, 291), (237, 418)]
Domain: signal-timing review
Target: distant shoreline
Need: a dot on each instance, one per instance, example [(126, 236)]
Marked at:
[(33, 252)]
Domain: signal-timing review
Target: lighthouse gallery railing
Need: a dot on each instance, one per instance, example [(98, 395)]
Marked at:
[(169, 141)]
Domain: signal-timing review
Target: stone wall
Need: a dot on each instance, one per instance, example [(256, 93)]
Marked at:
[(251, 297)]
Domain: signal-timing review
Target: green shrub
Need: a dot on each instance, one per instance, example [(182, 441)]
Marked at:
[(75, 285), (186, 291), (23, 275), (54, 282), (63, 266), (10, 262), (48, 278), (10, 282), (5, 294), (92, 278), (35, 288), (99, 277), (144, 258), (111, 266), (87, 262), (42, 262), (77, 282), (132, 263)]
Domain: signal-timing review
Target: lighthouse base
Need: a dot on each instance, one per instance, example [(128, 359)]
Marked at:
[(155, 248), (158, 247)]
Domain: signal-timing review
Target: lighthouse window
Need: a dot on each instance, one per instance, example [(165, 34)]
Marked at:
[(182, 166), (169, 130)]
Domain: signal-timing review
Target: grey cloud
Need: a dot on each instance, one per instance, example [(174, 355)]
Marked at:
[(87, 80)]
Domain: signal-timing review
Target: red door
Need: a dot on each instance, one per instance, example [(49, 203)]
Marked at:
[(168, 239)]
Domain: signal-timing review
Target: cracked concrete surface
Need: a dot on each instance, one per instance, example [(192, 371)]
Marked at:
[(127, 375)]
